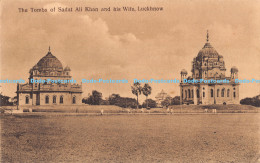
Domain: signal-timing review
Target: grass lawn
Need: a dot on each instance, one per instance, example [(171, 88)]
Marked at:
[(130, 138), (116, 109)]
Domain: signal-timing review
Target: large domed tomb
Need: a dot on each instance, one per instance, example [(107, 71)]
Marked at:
[(209, 65), (49, 67), (49, 93)]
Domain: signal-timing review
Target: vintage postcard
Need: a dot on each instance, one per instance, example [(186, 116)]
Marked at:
[(130, 81)]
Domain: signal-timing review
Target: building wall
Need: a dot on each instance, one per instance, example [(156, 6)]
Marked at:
[(67, 98), (212, 72), (22, 98), (186, 95), (205, 96), (226, 99)]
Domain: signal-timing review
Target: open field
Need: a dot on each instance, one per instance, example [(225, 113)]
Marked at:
[(130, 138), (69, 109), (116, 109)]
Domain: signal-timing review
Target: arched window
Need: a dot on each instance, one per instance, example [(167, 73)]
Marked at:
[(218, 93), (228, 93), (46, 99), (27, 100), (61, 99), (54, 99), (189, 92), (212, 93), (192, 93), (198, 93), (185, 93), (223, 92), (203, 94), (234, 94), (182, 94), (74, 100)]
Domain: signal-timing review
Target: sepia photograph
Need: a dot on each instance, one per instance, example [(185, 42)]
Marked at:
[(173, 81)]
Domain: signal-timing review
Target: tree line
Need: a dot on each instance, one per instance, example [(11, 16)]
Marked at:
[(4, 100), (254, 101), (126, 102)]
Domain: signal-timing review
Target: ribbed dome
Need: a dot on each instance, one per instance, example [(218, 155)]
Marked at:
[(183, 71), (234, 69), (208, 51), (49, 62), (67, 68)]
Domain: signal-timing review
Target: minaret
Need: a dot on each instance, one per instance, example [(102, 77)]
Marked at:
[(207, 35), (183, 74), (204, 71), (234, 73)]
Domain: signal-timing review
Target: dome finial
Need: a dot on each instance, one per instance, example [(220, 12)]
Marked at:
[(207, 35), (49, 49)]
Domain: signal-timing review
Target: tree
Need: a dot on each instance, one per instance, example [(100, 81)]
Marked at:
[(4, 100), (175, 100), (104, 102), (137, 90), (166, 102), (149, 103), (97, 97), (113, 99), (125, 102), (255, 101), (84, 100), (147, 90), (94, 99)]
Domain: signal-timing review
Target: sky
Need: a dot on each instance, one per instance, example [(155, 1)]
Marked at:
[(130, 45)]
